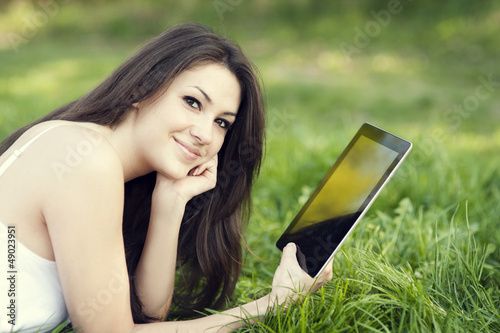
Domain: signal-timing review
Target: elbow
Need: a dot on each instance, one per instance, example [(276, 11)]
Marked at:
[(158, 312)]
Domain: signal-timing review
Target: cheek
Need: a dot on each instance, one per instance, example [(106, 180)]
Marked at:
[(215, 147)]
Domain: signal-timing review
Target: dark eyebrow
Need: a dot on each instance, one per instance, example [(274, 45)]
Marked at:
[(230, 114), (204, 94), (210, 101)]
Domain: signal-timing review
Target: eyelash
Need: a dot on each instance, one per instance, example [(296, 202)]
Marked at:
[(224, 124), (190, 100)]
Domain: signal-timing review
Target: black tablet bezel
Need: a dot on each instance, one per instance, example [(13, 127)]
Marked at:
[(396, 144)]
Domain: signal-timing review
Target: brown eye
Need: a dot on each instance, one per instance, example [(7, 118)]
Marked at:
[(192, 102), (224, 124)]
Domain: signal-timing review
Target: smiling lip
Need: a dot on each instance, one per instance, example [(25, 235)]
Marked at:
[(189, 152)]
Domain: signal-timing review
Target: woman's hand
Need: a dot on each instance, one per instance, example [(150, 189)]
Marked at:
[(199, 180), (291, 281), (155, 274)]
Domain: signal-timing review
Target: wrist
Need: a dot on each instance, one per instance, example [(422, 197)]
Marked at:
[(164, 198), (261, 307), (167, 206), (167, 193), (268, 304), (273, 299)]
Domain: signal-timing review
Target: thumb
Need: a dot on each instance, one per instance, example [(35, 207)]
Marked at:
[(289, 252)]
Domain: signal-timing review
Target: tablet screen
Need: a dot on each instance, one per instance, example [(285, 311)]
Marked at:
[(342, 197)]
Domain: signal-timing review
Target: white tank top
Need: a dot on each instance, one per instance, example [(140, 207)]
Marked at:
[(31, 298)]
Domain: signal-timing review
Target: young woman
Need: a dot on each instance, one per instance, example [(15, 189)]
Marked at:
[(181, 124)]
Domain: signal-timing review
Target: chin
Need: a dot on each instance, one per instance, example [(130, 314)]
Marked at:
[(177, 174)]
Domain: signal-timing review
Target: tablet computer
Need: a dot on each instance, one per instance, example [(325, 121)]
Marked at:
[(343, 196)]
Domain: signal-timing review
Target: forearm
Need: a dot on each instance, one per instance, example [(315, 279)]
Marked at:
[(155, 274), (226, 321)]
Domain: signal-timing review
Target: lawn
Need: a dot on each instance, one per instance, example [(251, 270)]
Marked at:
[(426, 257)]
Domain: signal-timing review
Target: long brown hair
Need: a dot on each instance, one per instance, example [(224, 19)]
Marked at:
[(210, 239)]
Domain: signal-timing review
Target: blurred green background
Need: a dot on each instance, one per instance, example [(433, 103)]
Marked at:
[(425, 70), (410, 67)]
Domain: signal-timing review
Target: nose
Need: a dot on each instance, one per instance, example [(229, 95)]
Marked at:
[(202, 131)]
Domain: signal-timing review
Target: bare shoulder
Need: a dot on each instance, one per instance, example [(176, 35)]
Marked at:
[(73, 151), (83, 211), (78, 167), (58, 157)]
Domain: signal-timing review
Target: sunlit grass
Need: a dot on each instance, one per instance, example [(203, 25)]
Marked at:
[(426, 257)]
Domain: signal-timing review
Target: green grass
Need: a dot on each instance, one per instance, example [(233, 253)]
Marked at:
[(426, 257)]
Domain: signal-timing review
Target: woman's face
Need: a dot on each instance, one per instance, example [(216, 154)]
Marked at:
[(187, 124)]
